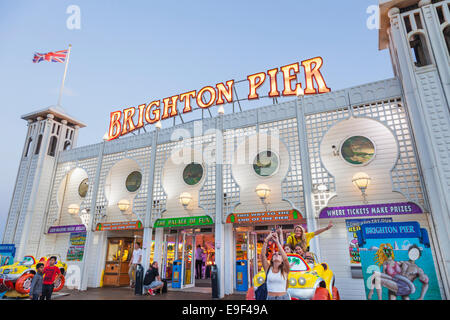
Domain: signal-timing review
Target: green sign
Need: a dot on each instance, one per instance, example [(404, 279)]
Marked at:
[(184, 222)]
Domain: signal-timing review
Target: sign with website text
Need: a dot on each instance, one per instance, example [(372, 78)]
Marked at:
[(130, 119), (111, 226), (264, 217), (353, 226), (76, 246), (184, 222), (67, 229), (369, 210)]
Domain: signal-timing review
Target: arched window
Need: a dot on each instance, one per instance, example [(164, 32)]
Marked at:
[(27, 150), (38, 145), (419, 50), (67, 145), (447, 37), (52, 146)]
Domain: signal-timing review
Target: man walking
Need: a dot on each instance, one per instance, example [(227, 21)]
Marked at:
[(135, 260)]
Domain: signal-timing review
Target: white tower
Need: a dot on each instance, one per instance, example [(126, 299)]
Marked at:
[(50, 131), (417, 34)]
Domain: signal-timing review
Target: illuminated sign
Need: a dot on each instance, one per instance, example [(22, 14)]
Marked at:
[(123, 122), (113, 226), (184, 222), (264, 217)]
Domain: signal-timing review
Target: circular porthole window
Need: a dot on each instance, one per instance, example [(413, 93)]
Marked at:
[(83, 188), (266, 163), (133, 182), (192, 173), (358, 150)]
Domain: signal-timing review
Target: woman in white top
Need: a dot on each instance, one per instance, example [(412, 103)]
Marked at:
[(278, 270)]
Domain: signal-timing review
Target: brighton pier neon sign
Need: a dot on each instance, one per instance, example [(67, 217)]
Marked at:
[(122, 121)]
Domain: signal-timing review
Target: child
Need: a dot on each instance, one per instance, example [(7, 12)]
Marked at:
[(36, 283), (51, 274)]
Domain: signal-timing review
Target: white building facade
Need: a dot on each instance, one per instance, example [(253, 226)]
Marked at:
[(173, 194)]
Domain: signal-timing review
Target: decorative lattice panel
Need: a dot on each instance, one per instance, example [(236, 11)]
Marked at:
[(405, 175), (142, 157), (232, 139), (63, 168), (316, 127), (292, 186)]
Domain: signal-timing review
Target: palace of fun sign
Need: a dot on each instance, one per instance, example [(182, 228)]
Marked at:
[(122, 122)]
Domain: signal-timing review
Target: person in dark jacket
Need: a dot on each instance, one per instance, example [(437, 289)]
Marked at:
[(36, 283)]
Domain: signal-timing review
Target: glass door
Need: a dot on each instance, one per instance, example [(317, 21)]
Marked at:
[(169, 246), (252, 257), (188, 279)]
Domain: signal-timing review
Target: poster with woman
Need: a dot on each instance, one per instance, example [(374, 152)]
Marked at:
[(7, 252), (397, 262)]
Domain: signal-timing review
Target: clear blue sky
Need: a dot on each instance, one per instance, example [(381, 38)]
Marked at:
[(131, 52)]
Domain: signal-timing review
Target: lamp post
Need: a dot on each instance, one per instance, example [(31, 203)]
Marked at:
[(361, 180)]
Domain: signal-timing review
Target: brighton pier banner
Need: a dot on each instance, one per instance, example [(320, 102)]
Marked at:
[(121, 122)]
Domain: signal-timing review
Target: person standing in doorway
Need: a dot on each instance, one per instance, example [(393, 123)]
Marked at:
[(135, 260), (198, 262), (51, 275)]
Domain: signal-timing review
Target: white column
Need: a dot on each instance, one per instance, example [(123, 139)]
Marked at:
[(229, 263), (148, 222), (220, 243), (90, 227), (306, 177), (429, 162), (159, 238), (438, 46)]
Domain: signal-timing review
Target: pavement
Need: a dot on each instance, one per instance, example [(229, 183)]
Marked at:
[(127, 293)]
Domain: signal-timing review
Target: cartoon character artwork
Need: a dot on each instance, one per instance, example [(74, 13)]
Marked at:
[(392, 271), (398, 277)]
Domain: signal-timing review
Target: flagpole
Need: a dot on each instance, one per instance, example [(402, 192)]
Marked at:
[(64, 76)]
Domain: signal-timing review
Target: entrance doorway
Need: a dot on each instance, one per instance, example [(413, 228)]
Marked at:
[(188, 255)]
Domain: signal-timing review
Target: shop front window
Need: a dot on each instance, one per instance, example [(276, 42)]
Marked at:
[(358, 150), (266, 163)]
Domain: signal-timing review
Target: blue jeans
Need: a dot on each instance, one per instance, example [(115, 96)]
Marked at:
[(152, 285)]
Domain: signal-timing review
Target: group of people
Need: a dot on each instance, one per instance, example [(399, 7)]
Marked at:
[(152, 280), (277, 269), (44, 280)]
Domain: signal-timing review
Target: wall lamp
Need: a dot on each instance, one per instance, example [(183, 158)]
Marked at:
[(263, 192), (73, 208), (361, 180), (185, 199), (123, 205)]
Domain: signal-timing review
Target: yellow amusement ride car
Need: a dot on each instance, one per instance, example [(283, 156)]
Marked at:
[(307, 280), (16, 278)]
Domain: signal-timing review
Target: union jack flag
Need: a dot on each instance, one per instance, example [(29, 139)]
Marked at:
[(57, 56)]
